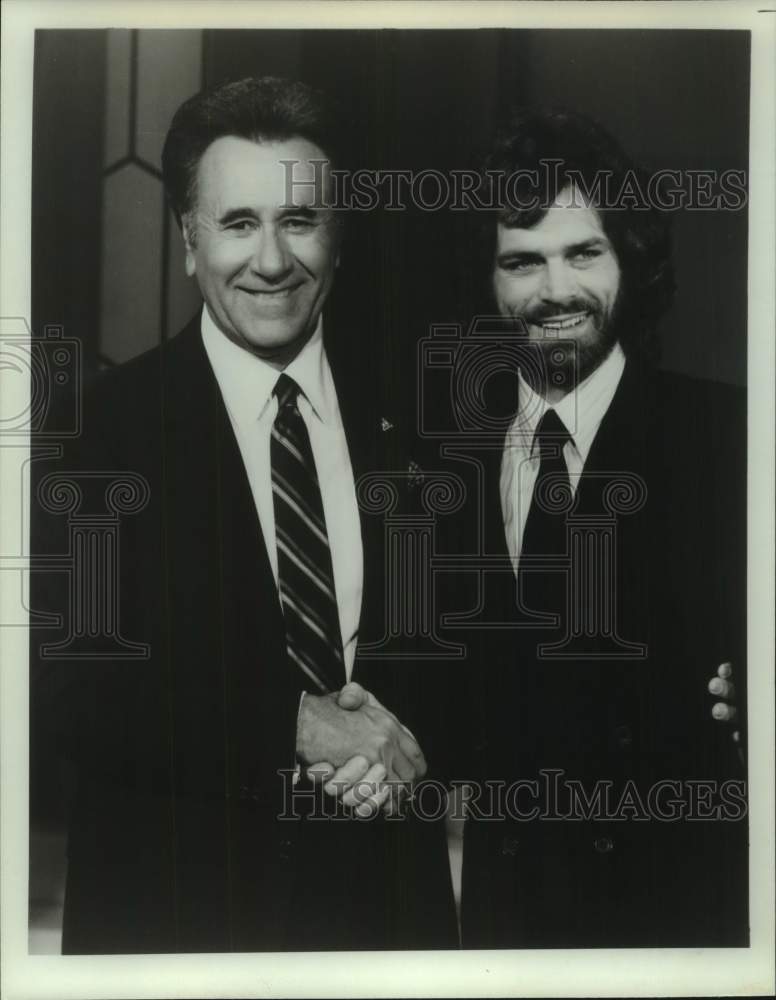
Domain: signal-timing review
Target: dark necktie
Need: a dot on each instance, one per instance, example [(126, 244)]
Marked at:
[(305, 575), (545, 528)]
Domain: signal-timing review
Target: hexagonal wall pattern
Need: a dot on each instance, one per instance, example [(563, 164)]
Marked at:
[(118, 86), (145, 294), (169, 68), (132, 264)]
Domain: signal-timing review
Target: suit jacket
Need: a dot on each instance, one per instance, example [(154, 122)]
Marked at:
[(633, 873), (175, 841)]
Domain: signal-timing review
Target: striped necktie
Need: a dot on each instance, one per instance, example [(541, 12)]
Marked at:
[(305, 575)]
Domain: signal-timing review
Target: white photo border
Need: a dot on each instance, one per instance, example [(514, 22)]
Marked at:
[(615, 972)]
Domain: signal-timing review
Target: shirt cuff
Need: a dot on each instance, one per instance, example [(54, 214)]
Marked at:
[(297, 765)]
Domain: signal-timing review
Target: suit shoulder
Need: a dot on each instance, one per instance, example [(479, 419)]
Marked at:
[(105, 385), (702, 409), (131, 387), (122, 408), (698, 393)]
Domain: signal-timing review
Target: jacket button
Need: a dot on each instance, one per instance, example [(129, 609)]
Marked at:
[(509, 847), (603, 845)]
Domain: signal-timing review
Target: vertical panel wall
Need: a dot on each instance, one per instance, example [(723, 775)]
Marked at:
[(144, 295), (67, 141)]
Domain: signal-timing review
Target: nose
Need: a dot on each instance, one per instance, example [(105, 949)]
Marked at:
[(559, 284), (271, 259)]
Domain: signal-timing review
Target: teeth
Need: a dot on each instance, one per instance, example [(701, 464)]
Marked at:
[(564, 324)]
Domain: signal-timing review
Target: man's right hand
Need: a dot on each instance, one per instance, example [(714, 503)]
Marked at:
[(326, 731), (360, 785)]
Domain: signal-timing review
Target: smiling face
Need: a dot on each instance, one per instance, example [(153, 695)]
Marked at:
[(264, 264), (562, 278)]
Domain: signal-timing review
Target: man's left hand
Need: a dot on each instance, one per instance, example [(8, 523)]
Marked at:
[(360, 787), (724, 710)]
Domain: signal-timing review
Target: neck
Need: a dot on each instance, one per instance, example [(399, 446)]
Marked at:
[(553, 394), (587, 363), (279, 357)]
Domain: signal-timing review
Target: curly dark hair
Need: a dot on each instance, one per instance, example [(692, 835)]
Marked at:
[(543, 152), (262, 109)]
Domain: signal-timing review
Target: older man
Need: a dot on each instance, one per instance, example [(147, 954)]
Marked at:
[(251, 575), (618, 498)]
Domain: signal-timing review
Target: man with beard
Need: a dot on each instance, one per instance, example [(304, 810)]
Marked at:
[(618, 504)]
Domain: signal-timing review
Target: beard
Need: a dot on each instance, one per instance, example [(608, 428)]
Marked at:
[(561, 363)]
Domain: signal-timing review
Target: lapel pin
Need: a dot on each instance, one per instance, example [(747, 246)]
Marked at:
[(416, 477), (386, 424)]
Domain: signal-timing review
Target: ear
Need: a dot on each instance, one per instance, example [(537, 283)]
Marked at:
[(338, 244), (188, 240)]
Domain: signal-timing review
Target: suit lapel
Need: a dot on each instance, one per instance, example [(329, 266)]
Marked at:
[(210, 476), (619, 447), (227, 631), (210, 508), (357, 405), (372, 449)]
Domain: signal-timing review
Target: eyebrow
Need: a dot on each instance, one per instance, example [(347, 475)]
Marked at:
[(526, 255), (236, 214), (568, 251), (594, 241)]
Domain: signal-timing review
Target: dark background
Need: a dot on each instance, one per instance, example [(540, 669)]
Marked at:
[(417, 99)]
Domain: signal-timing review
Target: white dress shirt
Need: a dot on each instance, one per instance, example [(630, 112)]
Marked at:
[(247, 383), (581, 412)]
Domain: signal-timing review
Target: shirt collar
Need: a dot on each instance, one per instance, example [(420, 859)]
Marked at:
[(247, 382), (580, 410)]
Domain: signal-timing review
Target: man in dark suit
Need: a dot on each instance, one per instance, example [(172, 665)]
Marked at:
[(251, 575), (617, 505)]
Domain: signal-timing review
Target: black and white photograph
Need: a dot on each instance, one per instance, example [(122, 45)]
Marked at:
[(387, 453)]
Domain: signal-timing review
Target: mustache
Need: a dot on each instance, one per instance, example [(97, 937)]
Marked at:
[(551, 310)]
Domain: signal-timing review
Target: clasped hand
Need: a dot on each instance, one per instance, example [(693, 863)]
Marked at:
[(725, 710), (358, 749)]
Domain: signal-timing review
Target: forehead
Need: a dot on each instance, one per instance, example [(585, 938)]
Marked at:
[(235, 172), (567, 222)]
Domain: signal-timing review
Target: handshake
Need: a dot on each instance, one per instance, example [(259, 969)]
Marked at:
[(358, 749)]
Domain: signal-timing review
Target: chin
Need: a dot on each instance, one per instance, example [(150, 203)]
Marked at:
[(269, 342), (593, 353), (591, 350)]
